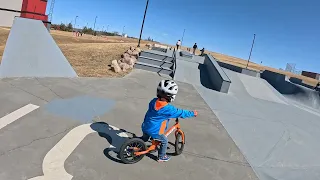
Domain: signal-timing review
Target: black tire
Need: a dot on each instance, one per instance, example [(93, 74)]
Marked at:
[(179, 145), (123, 154)]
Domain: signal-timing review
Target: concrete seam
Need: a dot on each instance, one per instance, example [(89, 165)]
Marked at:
[(245, 164), (38, 139), (25, 91), (49, 88)]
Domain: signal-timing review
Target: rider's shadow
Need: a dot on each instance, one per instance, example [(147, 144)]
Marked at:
[(116, 137)]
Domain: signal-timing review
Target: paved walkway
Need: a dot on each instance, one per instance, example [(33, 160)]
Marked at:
[(53, 128)]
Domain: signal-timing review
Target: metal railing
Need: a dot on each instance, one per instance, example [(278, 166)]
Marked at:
[(174, 57)]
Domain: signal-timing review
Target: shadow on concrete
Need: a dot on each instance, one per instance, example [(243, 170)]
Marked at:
[(205, 77), (230, 67), (278, 81), (292, 90), (288, 88), (114, 137)]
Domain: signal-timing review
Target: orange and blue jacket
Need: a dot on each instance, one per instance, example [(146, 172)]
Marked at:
[(158, 115)]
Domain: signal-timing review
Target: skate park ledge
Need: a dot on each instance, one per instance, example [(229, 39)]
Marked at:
[(219, 79), (283, 83), (239, 69)]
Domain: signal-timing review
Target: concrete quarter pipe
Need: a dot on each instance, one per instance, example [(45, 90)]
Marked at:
[(279, 140), (31, 52)]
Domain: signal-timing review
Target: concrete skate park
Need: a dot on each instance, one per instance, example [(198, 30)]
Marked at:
[(55, 125)]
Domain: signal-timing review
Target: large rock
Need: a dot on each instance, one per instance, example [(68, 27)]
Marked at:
[(133, 60), (115, 66), (130, 52), (138, 49), (127, 60), (135, 53), (125, 55), (124, 67), (121, 65)]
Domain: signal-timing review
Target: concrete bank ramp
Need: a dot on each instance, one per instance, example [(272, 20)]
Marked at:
[(279, 140), (303, 97), (307, 97), (32, 52)]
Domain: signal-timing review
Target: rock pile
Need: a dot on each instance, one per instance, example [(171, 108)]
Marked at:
[(149, 46), (127, 61)]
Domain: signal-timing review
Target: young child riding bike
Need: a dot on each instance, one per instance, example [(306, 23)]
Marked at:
[(158, 115)]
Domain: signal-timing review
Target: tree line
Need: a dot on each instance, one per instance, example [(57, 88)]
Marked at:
[(69, 27), (85, 30)]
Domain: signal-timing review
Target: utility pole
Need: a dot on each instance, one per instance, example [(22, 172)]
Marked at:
[(75, 22), (94, 25), (183, 36), (144, 17), (50, 13), (254, 37), (123, 30)]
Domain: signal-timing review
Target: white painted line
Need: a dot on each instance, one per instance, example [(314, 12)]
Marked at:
[(53, 163), (15, 115)]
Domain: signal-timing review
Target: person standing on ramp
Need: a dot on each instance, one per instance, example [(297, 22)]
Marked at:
[(195, 46)]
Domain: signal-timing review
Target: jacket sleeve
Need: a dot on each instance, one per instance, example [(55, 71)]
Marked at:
[(173, 112)]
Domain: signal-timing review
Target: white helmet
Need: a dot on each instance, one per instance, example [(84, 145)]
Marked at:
[(167, 89)]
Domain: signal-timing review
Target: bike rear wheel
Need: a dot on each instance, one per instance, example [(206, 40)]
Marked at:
[(179, 144), (128, 149)]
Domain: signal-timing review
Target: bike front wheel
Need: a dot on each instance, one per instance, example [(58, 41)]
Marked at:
[(128, 149), (179, 144)]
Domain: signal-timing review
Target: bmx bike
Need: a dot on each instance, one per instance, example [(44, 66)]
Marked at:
[(133, 150)]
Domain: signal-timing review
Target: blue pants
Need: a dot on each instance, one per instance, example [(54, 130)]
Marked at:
[(162, 139)]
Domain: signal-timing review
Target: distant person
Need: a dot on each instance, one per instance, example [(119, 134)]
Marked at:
[(178, 44), (195, 46), (202, 51)]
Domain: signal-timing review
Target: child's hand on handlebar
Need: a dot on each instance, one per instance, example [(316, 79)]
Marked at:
[(195, 113)]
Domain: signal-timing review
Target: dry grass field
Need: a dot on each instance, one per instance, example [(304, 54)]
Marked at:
[(91, 56)]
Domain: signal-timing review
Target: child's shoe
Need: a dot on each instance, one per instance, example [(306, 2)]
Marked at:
[(164, 158)]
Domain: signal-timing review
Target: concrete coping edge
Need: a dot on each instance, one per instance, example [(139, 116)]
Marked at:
[(222, 74)]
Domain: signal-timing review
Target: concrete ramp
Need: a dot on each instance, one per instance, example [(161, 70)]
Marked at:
[(259, 88), (32, 52), (306, 99), (301, 96), (278, 139)]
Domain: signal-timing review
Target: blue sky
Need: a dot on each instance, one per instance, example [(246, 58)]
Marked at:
[(287, 31)]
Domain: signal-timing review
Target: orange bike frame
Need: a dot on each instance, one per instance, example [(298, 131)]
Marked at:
[(155, 143)]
